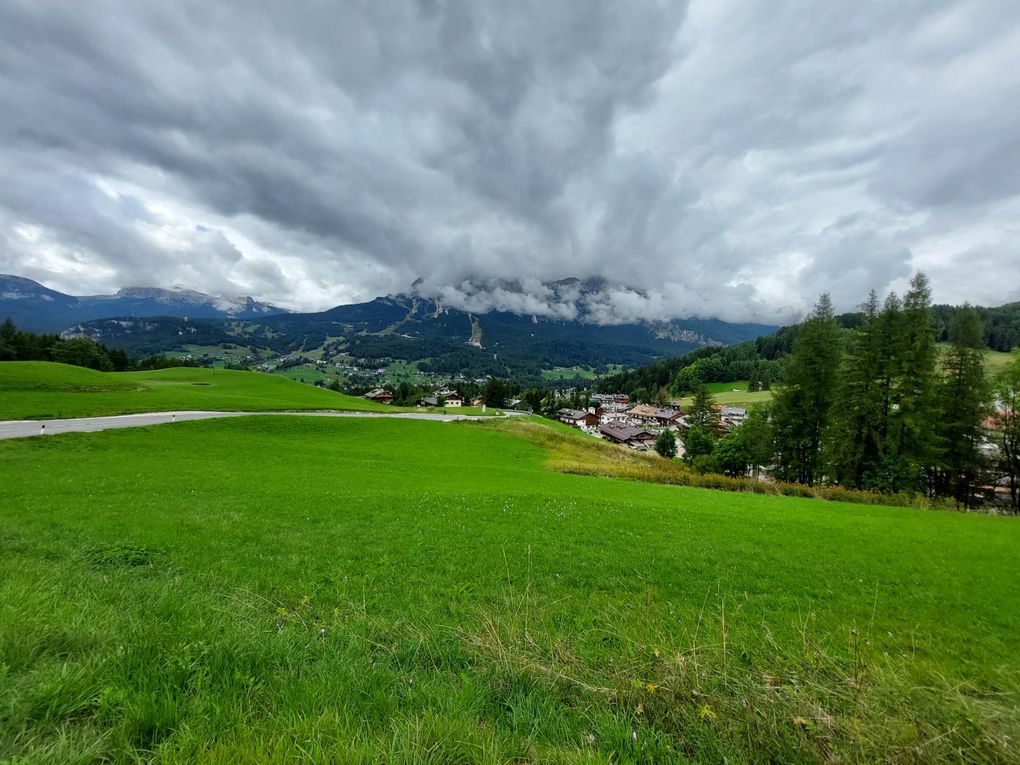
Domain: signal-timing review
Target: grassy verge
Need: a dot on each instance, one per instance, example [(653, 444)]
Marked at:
[(369, 591)]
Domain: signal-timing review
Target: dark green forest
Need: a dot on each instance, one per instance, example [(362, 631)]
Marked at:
[(19, 345)]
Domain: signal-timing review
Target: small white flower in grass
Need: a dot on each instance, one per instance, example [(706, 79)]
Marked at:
[(410, 681), (633, 736), (590, 738)]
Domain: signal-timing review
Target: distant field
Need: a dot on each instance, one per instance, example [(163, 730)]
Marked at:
[(994, 360), (222, 355), (306, 373), (569, 373), (739, 386), (733, 394), (299, 589), (39, 389)]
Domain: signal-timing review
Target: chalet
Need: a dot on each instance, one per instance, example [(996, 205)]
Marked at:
[(732, 416), (478, 401), (380, 395), (578, 418), (448, 398), (613, 415), (611, 398), (627, 435), (653, 415)]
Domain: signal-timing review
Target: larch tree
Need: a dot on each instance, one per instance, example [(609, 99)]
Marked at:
[(702, 412), (802, 407), (856, 441), (963, 398), (911, 439)]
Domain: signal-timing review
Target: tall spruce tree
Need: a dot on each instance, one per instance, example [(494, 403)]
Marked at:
[(963, 404), (802, 407), (702, 412), (911, 439), (856, 442)]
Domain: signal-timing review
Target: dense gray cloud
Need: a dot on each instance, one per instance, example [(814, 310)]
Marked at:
[(712, 158)]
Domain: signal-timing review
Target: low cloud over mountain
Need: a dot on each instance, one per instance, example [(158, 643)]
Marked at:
[(720, 158)]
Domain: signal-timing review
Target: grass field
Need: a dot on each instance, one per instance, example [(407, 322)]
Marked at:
[(40, 389), (569, 373), (733, 394), (738, 386), (994, 360), (299, 589), (308, 373)]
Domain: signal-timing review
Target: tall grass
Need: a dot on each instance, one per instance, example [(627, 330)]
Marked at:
[(578, 455)]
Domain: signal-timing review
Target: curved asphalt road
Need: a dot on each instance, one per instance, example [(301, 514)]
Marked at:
[(25, 428)]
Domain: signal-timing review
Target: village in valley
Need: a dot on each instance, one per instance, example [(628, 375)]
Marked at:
[(613, 417)]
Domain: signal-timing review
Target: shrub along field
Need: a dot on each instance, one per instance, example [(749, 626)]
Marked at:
[(42, 389), (269, 589)]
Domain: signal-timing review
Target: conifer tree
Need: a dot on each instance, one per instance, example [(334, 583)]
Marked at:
[(702, 412), (911, 440), (856, 441), (963, 397), (758, 435), (801, 411)]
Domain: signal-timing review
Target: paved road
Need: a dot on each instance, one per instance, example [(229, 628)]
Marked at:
[(25, 428)]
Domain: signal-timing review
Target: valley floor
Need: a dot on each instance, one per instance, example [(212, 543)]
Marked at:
[(280, 589)]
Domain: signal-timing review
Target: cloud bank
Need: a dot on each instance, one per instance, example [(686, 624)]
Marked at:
[(720, 158)]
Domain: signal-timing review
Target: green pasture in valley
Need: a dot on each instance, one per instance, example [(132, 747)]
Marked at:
[(308, 373), (733, 394), (41, 389), (303, 589), (570, 374)]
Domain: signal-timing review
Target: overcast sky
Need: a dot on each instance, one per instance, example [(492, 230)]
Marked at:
[(726, 158)]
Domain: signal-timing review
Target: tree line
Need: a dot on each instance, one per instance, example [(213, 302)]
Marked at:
[(880, 408), (1000, 325), (20, 345), (762, 361)]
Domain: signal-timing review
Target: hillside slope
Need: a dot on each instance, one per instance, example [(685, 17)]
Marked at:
[(42, 389), (283, 589)]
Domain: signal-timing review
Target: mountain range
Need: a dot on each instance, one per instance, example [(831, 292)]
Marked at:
[(405, 327), (40, 309)]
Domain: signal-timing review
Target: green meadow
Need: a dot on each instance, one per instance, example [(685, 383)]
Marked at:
[(733, 394), (570, 374), (41, 389), (303, 589)]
